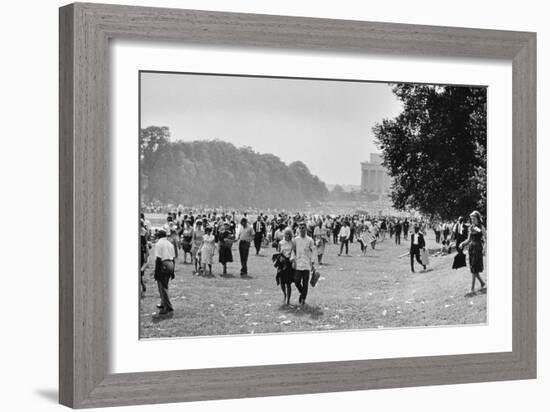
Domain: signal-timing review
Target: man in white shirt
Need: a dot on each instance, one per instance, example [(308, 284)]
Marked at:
[(344, 235), (245, 235), (303, 250), (165, 254)]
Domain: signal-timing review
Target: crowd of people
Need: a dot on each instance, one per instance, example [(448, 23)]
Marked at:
[(201, 236)]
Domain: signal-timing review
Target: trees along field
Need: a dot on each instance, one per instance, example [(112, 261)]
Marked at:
[(214, 172)]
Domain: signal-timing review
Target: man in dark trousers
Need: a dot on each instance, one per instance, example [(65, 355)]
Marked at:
[(165, 255), (303, 248), (417, 243), (245, 234), (259, 233), (397, 230)]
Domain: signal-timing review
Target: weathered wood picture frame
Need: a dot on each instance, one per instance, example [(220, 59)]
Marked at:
[(85, 31)]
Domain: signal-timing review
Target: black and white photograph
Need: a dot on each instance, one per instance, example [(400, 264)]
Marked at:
[(284, 205), (276, 205)]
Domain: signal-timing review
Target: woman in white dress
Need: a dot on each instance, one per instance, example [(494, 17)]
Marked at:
[(207, 250)]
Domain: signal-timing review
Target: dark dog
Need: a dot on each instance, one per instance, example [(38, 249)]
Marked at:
[(285, 274)]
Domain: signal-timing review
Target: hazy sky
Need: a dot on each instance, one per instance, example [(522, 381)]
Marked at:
[(325, 124)]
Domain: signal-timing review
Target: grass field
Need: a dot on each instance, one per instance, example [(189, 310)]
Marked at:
[(356, 292)]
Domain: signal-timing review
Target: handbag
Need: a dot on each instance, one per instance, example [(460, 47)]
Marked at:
[(424, 257), (314, 278), (459, 261)]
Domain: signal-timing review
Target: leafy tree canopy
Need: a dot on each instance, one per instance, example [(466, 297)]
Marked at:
[(435, 150)]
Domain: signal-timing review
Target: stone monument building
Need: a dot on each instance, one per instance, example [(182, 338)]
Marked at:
[(374, 176)]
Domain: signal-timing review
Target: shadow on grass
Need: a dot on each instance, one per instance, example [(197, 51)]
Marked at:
[(227, 276), (315, 312), (157, 317)]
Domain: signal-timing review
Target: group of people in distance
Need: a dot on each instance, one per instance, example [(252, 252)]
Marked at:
[(198, 235)]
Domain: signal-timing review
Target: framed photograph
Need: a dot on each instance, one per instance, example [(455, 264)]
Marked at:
[(258, 205)]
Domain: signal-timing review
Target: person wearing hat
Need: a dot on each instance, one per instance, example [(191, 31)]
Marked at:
[(476, 248), (165, 255), (245, 236), (417, 243)]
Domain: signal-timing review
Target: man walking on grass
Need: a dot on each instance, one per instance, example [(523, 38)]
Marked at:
[(344, 236), (165, 254), (397, 229), (303, 250), (417, 243), (259, 233), (245, 236)]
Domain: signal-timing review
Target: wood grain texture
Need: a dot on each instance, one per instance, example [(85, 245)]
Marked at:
[(66, 229), (524, 204), (85, 31)]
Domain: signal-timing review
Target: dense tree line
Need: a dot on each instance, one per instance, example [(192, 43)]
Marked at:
[(216, 173), (435, 150)]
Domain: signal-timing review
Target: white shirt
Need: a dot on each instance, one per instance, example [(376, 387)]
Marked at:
[(459, 228), (344, 232), (286, 248), (245, 233), (164, 249), (304, 252)]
